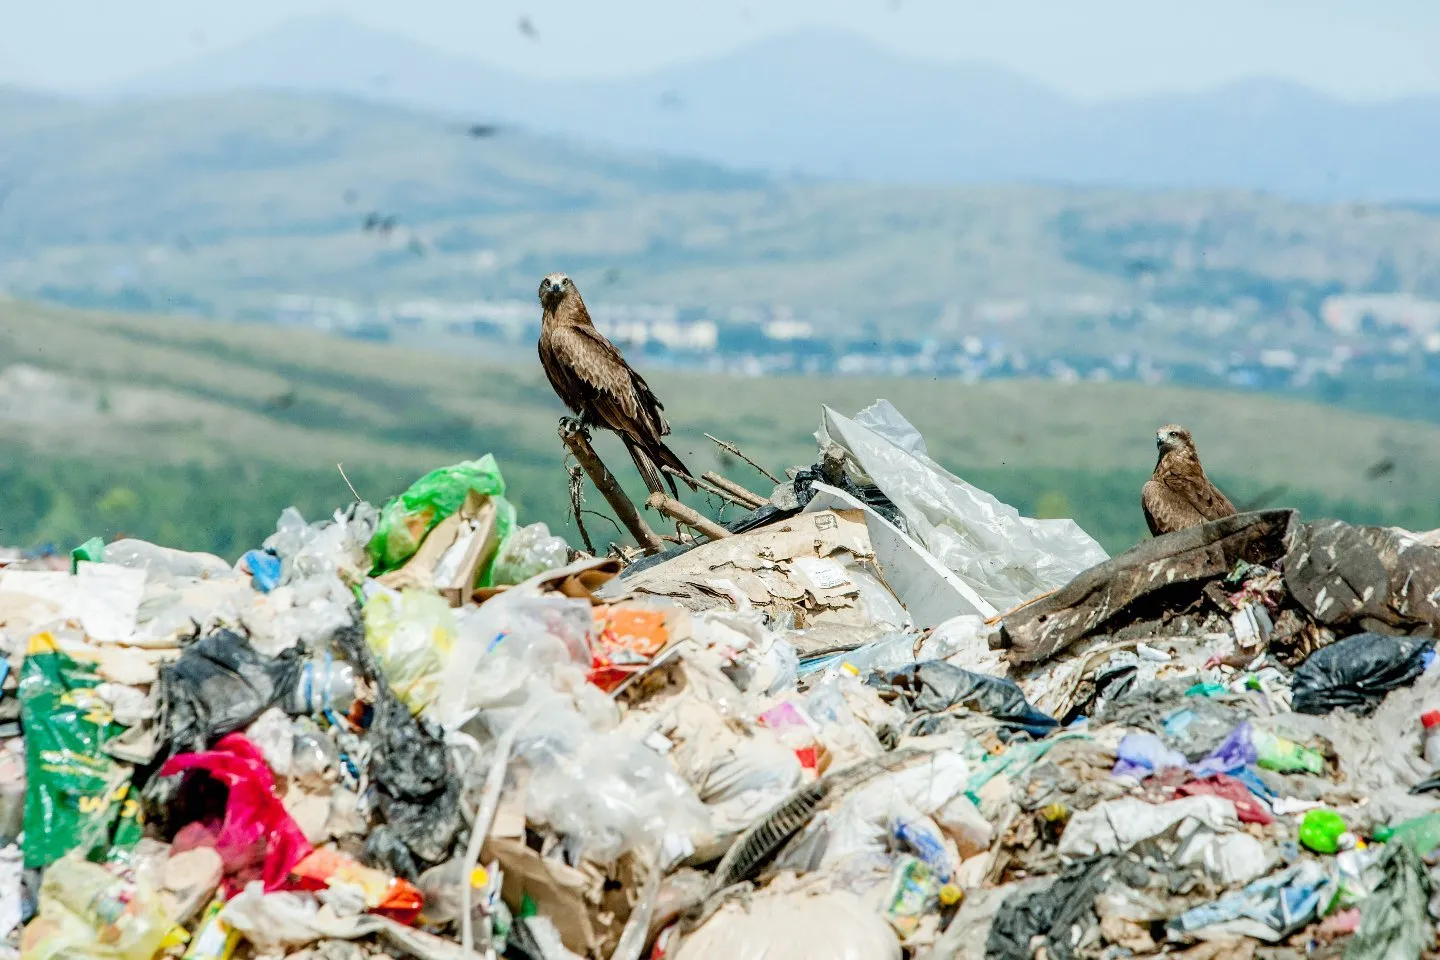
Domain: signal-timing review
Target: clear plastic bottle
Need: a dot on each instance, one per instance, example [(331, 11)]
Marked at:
[(325, 684), (1430, 720)]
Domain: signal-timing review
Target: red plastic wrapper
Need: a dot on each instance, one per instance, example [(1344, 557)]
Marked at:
[(1247, 808), (256, 825)]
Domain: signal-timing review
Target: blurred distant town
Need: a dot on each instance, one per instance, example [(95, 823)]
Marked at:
[(1375, 337)]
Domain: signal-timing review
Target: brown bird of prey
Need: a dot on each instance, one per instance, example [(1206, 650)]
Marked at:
[(594, 381), (1178, 494)]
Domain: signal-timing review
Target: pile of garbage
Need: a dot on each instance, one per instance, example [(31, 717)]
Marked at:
[(886, 716)]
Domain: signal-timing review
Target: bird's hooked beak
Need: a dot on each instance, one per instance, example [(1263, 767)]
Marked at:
[(551, 291)]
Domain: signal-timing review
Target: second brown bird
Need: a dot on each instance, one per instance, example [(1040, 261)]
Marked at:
[(1178, 494)]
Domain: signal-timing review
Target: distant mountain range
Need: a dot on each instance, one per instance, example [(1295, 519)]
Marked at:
[(218, 202), (831, 105)]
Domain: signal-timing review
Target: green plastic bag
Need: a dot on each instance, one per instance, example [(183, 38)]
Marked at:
[(405, 520), (1394, 922), (76, 795)]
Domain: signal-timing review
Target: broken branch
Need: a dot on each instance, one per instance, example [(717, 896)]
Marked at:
[(578, 441), (707, 486), (680, 513), (729, 447), (738, 494)]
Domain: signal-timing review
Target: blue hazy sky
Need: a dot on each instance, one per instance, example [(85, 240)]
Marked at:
[(1090, 49)]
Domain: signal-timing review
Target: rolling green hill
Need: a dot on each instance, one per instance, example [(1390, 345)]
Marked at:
[(199, 433)]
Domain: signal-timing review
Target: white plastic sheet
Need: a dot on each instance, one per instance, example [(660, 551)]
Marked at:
[(1118, 825), (1005, 557), (796, 925)]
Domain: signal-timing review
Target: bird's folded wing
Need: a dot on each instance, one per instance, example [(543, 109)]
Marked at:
[(594, 368), (1199, 493)]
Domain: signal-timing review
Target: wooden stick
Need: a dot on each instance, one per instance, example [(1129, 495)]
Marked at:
[(579, 443), (708, 487), (680, 513), (740, 494), (729, 447)]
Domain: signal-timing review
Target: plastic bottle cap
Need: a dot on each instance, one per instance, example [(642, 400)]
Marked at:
[(950, 894), (1430, 719), (479, 877)]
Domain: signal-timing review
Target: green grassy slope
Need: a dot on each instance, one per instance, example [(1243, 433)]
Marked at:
[(199, 433)]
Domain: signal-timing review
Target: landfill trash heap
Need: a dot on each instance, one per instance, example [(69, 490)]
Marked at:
[(884, 716)]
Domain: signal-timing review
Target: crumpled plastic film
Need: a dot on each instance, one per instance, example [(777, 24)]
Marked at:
[(1005, 557)]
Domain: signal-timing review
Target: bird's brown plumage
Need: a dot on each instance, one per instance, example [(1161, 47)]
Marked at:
[(1178, 494), (594, 381)]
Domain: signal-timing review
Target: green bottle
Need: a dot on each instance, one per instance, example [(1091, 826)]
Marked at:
[(1286, 756)]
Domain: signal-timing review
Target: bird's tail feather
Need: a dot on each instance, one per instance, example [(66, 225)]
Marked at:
[(654, 480), (650, 459)]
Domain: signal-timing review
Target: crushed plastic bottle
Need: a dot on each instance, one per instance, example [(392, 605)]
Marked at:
[(1286, 756), (87, 910), (325, 686), (912, 890), (923, 836)]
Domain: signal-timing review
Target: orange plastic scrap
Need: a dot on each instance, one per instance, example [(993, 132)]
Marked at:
[(392, 897), (626, 639)]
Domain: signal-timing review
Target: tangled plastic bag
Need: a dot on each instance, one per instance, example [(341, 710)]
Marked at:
[(406, 520), (412, 634), (529, 551), (1007, 558), (605, 792)]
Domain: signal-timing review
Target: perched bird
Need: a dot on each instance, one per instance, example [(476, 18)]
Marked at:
[(594, 381), (1178, 494)]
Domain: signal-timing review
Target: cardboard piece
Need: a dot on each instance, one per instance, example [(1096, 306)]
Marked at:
[(796, 567), (588, 912), (581, 580), (452, 555)]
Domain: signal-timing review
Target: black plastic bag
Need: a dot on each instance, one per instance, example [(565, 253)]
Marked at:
[(1053, 913), (1357, 672), (417, 787), (219, 685), (936, 686)]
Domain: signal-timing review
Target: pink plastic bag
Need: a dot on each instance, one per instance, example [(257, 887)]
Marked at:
[(255, 819)]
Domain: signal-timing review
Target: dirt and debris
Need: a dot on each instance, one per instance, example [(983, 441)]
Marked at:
[(881, 716)]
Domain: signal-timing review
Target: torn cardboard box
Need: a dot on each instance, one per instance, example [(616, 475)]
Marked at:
[(806, 567)]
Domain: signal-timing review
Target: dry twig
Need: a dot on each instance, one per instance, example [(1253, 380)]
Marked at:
[(357, 496), (708, 487), (577, 498), (729, 447)]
